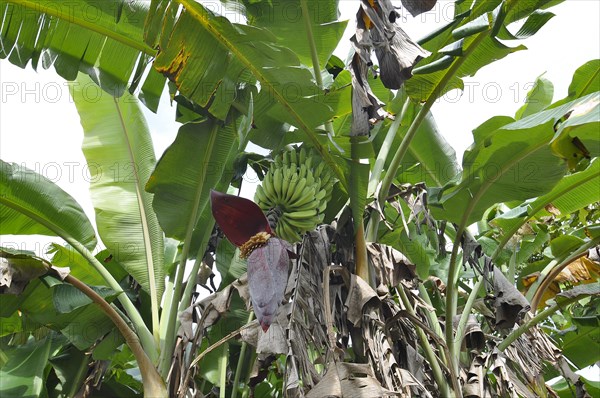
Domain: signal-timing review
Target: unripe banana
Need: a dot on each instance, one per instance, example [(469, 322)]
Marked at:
[(287, 178), (319, 169), (303, 170), (292, 184), (261, 198), (267, 185), (302, 225), (298, 191), (286, 158), (302, 156), (287, 232), (302, 215), (278, 183), (320, 195), (308, 195), (300, 184)]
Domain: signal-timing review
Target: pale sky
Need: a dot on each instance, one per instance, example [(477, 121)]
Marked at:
[(39, 126)]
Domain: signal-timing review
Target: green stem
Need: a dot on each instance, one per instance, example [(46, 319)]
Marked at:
[(240, 364), (464, 317), (438, 375), (383, 154), (67, 14), (311, 42), (361, 258), (223, 373), (535, 320), (360, 244), (142, 330), (412, 130), (172, 312), (544, 280), (451, 298), (154, 385), (431, 315), (373, 226), (375, 218), (314, 55), (197, 12), (191, 283), (170, 317), (168, 297)]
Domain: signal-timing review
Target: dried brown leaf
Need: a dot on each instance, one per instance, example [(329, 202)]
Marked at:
[(359, 294), (509, 303), (390, 265), (474, 337), (581, 271), (349, 380), (17, 270)]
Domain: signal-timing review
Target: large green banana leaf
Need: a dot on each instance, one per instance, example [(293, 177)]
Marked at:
[(24, 375), (209, 64), (193, 165), (430, 158), (586, 80), (32, 204), (571, 194), (103, 39), (119, 151), (538, 98), (285, 21), (469, 42), (514, 161)]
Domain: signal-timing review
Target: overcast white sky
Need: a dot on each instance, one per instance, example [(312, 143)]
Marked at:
[(39, 126)]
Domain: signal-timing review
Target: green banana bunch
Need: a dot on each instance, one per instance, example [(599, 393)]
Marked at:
[(299, 183)]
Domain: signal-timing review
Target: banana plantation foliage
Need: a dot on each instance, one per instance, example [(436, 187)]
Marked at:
[(371, 262)]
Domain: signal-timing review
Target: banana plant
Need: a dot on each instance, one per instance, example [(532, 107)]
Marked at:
[(359, 257)]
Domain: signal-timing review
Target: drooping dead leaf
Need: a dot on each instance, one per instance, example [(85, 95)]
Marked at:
[(17, 269), (349, 380), (416, 7), (526, 357), (397, 55), (396, 52), (475, 386), (366, 107), (580, 271), (474, 337), (509, 303), (390, 265), (508, 384), (305, 330), (358, 295)]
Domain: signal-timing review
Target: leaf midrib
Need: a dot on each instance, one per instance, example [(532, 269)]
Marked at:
[(144, 221), (37, 218), (203, 20), (589, 82)]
